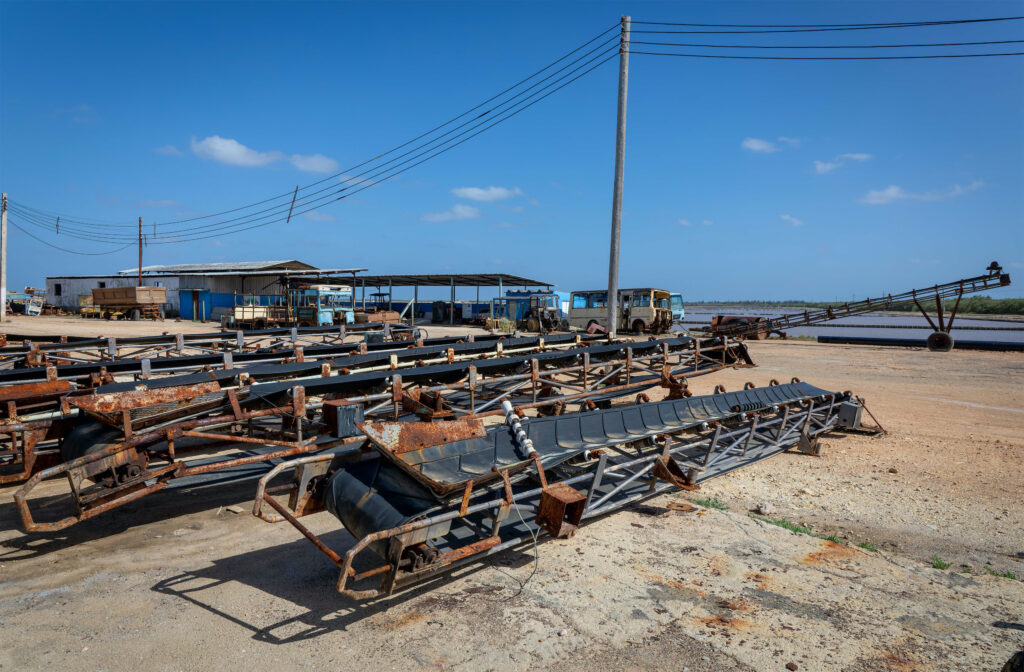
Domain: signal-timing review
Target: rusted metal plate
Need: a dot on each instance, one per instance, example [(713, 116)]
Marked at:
[(125, 401), (398, 438), (34, 390)]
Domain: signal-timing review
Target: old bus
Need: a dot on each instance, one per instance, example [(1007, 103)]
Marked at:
[(642, 309)]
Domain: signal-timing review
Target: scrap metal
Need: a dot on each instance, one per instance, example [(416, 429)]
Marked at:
[(140, 433), (421, 504)]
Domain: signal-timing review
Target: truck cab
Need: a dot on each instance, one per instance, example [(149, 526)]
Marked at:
[(678, 311), (320, 305)]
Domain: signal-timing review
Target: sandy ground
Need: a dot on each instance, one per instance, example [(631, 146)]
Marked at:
[(176, 582)]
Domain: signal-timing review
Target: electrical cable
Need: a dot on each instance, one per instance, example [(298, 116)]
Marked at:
[(64, 249), (390, 151), (829, 46), (899, 24), (826, 58), (821, 29), (383, 175)]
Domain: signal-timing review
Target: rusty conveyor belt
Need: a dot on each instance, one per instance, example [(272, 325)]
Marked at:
[(447, 466), (381, 494)]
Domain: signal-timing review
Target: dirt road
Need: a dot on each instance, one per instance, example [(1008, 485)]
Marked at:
[(177, 582)]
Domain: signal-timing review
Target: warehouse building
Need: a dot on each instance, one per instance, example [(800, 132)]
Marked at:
[(194, 291)]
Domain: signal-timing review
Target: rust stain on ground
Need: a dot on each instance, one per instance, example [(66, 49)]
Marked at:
[(763, 581), (722, 622), (735, 605), (898, 661), (403, 620), (673, 583), (830, 554)]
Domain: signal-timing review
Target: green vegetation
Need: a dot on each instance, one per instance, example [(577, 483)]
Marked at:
[(978, 305), (939, 563), (1006, 575), (800, 529), (785, 524), (712, 503)]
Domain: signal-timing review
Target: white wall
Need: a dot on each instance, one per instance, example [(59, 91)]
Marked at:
[(72, 288)]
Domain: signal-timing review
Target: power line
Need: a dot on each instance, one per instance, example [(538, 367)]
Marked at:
[(64, 249), (390, 151), (825, 58), (438, 153), (811, 27), (900, 24), (826, 46), (376, 178)]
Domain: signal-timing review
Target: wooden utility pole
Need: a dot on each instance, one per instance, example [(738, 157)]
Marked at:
[(3, 257), (140, 251), (620, 161)]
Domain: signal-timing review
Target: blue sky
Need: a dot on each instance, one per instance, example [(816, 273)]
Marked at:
[(744, 179)]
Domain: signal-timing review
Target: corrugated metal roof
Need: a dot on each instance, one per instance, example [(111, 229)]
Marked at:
[(443, 280), (223, 266)]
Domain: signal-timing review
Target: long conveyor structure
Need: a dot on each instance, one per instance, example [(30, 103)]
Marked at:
[(741, 326), (57, 350), (422, 499), (139, 436), (43, 410)]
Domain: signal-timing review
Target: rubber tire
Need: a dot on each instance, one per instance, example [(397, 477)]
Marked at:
[(939, 341), (638, 326), (532, 324), (134, 315)]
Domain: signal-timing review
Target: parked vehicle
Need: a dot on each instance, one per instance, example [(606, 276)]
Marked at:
[(131, 303), (640, 310), (531, 311), (253, 311), (676, 303), (320, 305)]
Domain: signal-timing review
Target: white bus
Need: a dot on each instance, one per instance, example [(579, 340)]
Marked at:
[(640, 310)]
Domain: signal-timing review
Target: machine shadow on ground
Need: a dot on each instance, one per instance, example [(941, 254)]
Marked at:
[(226, 489), (298, 573)]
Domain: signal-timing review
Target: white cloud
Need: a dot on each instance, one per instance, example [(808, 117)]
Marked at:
[(486, 195), (822, 167), (168, 150), (317, 216), (234, 153), (707, 222), (792, 142), (792, 220), (895, 193), (686, 222), (314, 163), (761, 146), (457, 212), (162, 203)]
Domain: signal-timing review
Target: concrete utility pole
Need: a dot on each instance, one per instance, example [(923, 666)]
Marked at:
[(3, 257), (140, 251), (620, 161)]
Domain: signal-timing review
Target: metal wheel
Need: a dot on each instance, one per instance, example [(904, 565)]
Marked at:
[(939, 341)]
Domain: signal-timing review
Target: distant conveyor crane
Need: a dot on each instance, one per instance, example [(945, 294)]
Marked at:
[(743, 326)]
